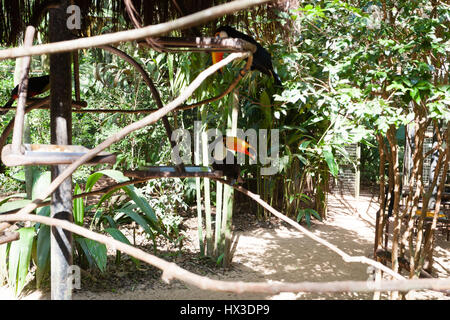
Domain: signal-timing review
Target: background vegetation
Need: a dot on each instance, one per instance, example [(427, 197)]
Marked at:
[(352, 72)]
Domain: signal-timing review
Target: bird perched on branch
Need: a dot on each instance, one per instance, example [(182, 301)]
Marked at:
[(262, 60), (36, 86), (223, 155)]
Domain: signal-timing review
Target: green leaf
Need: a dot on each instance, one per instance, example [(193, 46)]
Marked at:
[(78, 207), (19, 259), (315, 214), (136, 217), (19, 176), (41, 182), (3, 265), (332, 165), (82, 242), (92, 180), (142, 204), (139, 200), (14, 205), (18, 195), (308, 220), (111, 222), (220, 259), (300, 215), (95, 252), (98, 253), (118, 235), (43, 253), (115, 174)]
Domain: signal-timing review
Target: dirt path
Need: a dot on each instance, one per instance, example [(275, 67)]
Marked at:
[(280, 253)]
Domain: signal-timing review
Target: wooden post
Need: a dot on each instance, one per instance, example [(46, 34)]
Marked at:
[(61, 133)]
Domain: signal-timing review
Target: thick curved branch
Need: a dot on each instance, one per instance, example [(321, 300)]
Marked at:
[(150, 84)]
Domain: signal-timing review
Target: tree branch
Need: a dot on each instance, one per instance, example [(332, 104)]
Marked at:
[(135, 34), (241, 74), (172, 271), (345, 256)]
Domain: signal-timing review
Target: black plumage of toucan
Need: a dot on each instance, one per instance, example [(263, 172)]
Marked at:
[(262, 60), (222, 152), (36, 86)]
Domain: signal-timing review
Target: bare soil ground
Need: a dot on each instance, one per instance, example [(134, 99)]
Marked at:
[(262, 252)]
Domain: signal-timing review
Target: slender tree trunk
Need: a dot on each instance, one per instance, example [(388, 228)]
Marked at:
[(395, 175)]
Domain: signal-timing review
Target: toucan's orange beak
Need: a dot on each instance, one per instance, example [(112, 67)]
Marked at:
[(239, 145), (217, 56)]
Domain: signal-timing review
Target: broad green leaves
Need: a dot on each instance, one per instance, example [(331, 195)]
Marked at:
[(19, 259)]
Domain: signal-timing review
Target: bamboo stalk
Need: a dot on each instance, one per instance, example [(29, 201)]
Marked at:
[(198, 190), (259, 210), (218, 219), (206, 187), (234, 107)]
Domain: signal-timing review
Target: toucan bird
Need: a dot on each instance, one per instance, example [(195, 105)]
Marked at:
[(262, 60), (36, 86), (222, 155)]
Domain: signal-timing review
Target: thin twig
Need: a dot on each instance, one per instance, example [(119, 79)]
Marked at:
[(9, 237)]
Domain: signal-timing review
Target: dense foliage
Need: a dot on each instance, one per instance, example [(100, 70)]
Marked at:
[(352, 72)]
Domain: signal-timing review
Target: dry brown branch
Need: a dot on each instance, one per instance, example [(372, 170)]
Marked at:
[(7, 237), (204, 44), (197, 18), (79, 105), (172, 271), (4, 225), (150, 84), (332, 247), (132, 13), (241, 74)]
